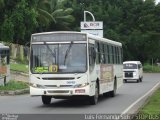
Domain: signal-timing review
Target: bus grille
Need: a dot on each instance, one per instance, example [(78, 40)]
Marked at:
[(54, 86), (58, 91), (59, 78)]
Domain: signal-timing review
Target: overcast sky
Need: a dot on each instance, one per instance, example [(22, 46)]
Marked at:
[(157, 1)]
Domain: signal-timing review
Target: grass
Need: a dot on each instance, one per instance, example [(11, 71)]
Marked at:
[(151, 69), (19, 67), (153, 105), (151, 109), (14, 85)]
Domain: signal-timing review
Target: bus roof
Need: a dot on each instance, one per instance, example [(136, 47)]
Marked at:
[(94, 37), (2, 46), (45, 33), (104, 39)]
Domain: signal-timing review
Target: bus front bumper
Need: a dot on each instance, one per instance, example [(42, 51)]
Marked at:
[(59, 91)]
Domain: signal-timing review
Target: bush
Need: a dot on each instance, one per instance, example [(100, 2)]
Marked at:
[(151, 69)]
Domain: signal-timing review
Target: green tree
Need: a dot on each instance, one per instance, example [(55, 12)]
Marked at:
[(1, 3), (18, 21), (44, 16), (53, 15), (135, 23)]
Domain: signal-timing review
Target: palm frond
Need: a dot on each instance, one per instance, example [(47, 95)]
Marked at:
[(60, 3), (67, 18), (58, 12), (47, 15), (68, 11)]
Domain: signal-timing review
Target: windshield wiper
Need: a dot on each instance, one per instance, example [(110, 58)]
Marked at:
[(67, 52), (52, 53)]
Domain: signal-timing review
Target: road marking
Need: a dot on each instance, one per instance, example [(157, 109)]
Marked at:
[(154, 88)]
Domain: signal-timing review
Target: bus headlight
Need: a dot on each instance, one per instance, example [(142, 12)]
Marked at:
[(37, 85), (81, 85)]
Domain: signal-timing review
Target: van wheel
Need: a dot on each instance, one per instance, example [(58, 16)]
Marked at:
[(94, 99), (125, 81), (138, 80), (46, 100)]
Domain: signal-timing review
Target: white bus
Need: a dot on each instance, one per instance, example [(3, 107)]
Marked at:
[(74, 64)]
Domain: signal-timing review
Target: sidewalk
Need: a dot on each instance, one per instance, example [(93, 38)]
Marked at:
[(19, 76)]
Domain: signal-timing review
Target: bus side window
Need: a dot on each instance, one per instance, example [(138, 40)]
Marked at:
[(97, 53), (121, 55), (91, 55), (113, 55), (106, 53), (102, 57), (110, 54), (118, 55)]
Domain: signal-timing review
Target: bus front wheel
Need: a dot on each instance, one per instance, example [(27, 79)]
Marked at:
[(94, 99), (46, 100)]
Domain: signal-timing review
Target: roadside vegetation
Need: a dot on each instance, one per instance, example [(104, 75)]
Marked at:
[(14, 85), (134, 23), (151, 111), (151, 69), (19, 67)]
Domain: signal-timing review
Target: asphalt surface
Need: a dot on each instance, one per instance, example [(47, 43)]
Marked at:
[(126, 95)]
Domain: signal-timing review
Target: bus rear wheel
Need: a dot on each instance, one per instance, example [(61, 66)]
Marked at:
[(94, 99), (113, 92), (46, 100)]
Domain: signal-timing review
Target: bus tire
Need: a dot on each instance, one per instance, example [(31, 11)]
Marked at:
[(106, 94), (94, 99), (46, 100), (113, 92)]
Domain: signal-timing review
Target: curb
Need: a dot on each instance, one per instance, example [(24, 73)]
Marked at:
[(19, 72), (15, 92)]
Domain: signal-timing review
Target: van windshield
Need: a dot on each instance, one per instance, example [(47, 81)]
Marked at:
[(130, 66)]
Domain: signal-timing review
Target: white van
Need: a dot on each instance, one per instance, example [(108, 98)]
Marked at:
[(132, 70)]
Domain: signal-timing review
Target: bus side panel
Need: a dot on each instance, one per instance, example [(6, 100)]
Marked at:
[(106, 75), (118, 73)]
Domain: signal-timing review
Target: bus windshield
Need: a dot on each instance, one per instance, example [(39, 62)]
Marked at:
[(59, 58)]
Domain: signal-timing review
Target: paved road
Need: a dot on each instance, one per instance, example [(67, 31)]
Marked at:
[(126, 95)]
